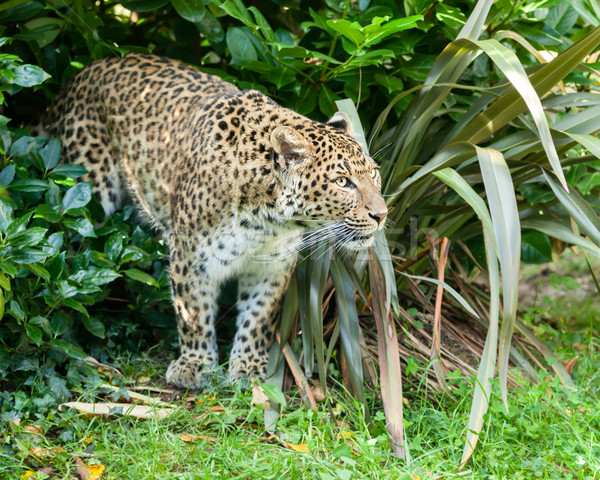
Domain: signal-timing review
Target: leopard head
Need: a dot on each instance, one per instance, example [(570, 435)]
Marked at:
[(329, 183)]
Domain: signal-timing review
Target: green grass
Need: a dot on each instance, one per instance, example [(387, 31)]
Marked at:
[(551, 432)]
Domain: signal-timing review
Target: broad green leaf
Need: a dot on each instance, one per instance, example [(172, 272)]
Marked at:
[(50, 153), (274, 393), (7, 175), (94, 326), (34, 333), (26, 238), (240, 45), (140, 276), (31, 185), (191, 10), (351, 30), (28, 76), (143, 5), (69, 170), (535, 248), (82, 226), (68, 348), (77, 196)]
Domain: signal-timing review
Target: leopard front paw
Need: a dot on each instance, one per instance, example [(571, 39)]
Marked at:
[(189, 373)]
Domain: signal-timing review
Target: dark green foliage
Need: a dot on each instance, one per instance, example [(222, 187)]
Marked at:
[(68, 288)]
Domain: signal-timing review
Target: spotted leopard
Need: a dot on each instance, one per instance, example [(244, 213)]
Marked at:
[(232, 179)]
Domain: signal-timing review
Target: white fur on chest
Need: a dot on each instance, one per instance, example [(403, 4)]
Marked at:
[(256, 248)]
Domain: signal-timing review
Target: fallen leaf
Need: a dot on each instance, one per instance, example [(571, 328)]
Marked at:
[(88, 472), (301, 447), (260, 398), (570, 364), (216, 408), (190, 438), (43, 453), (95, 471), (35, 429), (125, 409), (16, 422)]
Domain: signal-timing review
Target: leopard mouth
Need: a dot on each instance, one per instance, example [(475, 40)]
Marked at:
[(359, 241)]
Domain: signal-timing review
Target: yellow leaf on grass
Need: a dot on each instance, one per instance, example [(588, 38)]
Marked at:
[(27, 474), (301, 447), (43, 453), (95, 471), (190, 437)]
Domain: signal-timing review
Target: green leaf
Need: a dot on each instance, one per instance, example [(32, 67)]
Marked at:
[(94, 326), (68, 348), (26, 238), (191, 10), (77, 196), (240, 45), (94, 276), (20, 12), (75, 305), (7, 175), (140, 276), (274, 393), (50, 153), (143, 5), (535, 248), (28, 76), (351, 30), (31, 185), (48, 213), (68, 170), (26, 255), (34, 333), (263, 25), (82, 226)]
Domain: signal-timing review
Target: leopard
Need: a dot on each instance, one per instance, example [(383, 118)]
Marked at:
[(236, 184)]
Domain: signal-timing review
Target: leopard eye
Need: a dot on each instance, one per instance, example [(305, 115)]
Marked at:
[(343, 182), (373, 173)]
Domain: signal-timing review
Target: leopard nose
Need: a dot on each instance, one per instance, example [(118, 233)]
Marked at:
[(378, 217)]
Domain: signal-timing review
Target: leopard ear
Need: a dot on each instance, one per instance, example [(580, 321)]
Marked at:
[(291, 146), (341, 121)]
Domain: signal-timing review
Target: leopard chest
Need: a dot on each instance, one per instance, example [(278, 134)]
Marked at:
[(248, 243)]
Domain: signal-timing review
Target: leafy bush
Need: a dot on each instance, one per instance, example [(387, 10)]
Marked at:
[(59, 273)]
